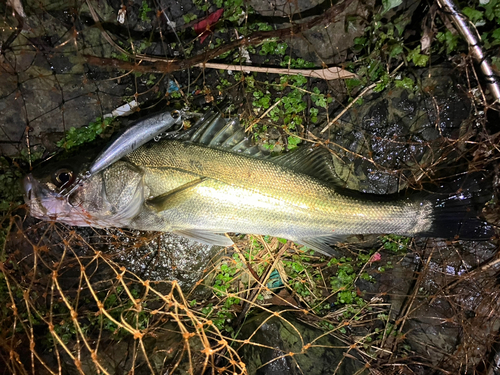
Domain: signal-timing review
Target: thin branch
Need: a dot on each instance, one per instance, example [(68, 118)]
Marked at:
[(365, 90), (150, 64), (326, 74)]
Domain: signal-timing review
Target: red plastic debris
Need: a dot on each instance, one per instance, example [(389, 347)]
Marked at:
[(202, 28), (375, 258)]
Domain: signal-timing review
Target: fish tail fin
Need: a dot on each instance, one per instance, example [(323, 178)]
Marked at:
[(457, 209)]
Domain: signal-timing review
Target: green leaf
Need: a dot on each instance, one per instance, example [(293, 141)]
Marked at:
[(405, 83), (472, 14), (396, 50), (281, 48), (144, 10), (293, 142), (189, 17), (417, 58), (389, 4), (492, 9), (496, 35), (449, 39), (352, 83)]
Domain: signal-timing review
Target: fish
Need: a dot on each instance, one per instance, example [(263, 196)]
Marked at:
[(211, 180)]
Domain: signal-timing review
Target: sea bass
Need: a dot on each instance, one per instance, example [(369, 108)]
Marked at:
[(210, 181)]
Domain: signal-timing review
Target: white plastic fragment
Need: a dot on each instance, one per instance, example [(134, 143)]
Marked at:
[(245, 55), (123, 110), (121, 14)]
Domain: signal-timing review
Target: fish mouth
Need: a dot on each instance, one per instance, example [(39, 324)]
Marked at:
[(36, 197), (43, 203), (34, 191), (46, 204), (27, 184)]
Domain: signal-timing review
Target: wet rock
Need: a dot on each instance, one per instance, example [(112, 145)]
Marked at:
[(282, 8), (322, 45), (45, 85), (398, 133), (452, 314), (156, 257), (169, 257), (159, 353), (281, 335)]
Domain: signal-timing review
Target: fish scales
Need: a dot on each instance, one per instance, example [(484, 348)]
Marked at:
[(250, 195)]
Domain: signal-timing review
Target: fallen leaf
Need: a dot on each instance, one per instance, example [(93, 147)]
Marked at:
[(202, 28)]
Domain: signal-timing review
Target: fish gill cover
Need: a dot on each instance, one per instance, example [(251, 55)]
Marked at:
[(393, 110)]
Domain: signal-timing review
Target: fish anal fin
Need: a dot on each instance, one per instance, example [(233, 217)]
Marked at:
[(321, 244), (312, 161), (205, 237), (162, 202)]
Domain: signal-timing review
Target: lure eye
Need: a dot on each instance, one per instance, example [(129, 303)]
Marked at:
[(63, 177)]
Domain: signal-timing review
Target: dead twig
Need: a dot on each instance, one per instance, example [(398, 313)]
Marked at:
[(326, 74), (260, 284), (150, 64), (365, 90)]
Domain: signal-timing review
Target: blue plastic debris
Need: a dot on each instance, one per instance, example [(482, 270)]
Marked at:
[(274, 280), (172, 87)]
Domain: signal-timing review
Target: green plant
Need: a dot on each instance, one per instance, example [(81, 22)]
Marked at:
[(296, 63), (143, 11), (76, 137), (273, 48), (395, 243), (10, 191), (343, 282), (381, 48), (188, 18), (336, 277), (223, 279), (485, 16), (233, 9)]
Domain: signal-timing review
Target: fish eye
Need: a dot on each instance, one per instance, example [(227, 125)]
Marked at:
[(63, 177), (175, 114)]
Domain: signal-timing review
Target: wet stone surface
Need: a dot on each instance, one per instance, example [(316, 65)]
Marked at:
[(324, 44), (448, 314), (280, 336), (396, 134), (46, 86), (168, 257)]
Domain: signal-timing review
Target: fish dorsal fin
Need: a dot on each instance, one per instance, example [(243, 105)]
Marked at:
[(213, 130), (207, 134), (312, 161)]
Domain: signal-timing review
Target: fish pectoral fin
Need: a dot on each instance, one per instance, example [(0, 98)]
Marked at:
[(163, 202), (205, 237), (321, 244)]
